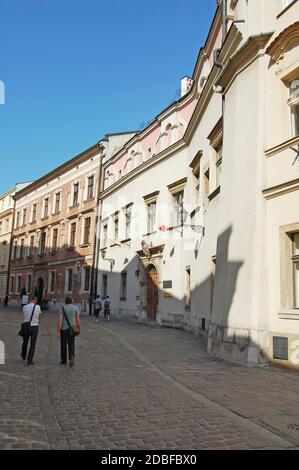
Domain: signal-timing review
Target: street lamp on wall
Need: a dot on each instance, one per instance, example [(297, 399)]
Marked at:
[(110, 260)]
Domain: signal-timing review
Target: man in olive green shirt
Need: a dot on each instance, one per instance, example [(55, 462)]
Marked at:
[(66, 340)]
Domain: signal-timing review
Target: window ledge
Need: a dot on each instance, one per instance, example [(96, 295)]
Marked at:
[(84, 245), (214, 193), (114, 244), (53, 252), (89, 199), (32, 222), (149, 233), (44, 218), (74, 206), (289, 314)]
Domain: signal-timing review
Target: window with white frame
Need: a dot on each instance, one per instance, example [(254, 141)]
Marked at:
[(15, 249), (57, 203), (31, 246), (87, 276), (295, 268), (104, 235), (87, 231), (19, 281), (55, 239), (90, 187), (151, 208), (178, 208), (46, 207), (123, 286), (73, 234), (33, 213), (294, 106), (42, 247), (0, 228), (24, 216), (116, 227), (12, 284), (218, 163), (22, 248), (28, 283), (18, 215), (75, 194), (128, 220), (52, 280), (69, 280)]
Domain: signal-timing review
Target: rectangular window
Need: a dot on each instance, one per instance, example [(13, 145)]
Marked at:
[(104, 289), (105, 235), (12, 285), (69, 280), (43, 243), (87, 229), (55, 239), (87, 272), (128, 215), (76, 194), (90, 187), (15, 249), (294, 106), (116, 228), (123, 287), (151, 216), (206, 189), (29, 283), (73, 234), (178, 208), (22, 248), (57, 203), (19, 280), (196, 185), (18, 220), (188, 289), (0, 228), (24, 216), (218, 157), (46, 207), (34, 209), (52, 281), (31, 246)]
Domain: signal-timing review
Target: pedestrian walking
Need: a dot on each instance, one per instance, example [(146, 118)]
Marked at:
[(31, 313), (68, 328), (107, 307), (5, 301), (97, 307)]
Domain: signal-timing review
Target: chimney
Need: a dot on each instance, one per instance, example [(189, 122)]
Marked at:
[(186, 85)]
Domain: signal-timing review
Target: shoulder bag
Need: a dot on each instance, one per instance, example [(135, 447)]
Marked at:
[(72, 330), (26, 326)]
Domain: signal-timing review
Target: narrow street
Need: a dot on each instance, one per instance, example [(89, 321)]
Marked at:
[(139, 387)]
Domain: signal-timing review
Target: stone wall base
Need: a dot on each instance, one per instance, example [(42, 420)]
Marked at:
[(241, 345)]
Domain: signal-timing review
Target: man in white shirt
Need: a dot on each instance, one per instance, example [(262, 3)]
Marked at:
[(31, 312)]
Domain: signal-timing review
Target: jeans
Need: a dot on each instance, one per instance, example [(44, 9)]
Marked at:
[(33, 339), (66, 340)]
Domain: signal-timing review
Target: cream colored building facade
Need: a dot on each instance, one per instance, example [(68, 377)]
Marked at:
[(6, 224), (199, 215)]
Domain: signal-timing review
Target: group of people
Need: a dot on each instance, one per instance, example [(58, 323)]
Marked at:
[(68, 327)]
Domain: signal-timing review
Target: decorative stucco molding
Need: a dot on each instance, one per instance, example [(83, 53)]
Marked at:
[(287, 39)]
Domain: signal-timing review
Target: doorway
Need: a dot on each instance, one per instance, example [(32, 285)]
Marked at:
[(40, 290), (152, 292)]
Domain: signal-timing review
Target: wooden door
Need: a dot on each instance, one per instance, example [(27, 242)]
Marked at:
[(152, 293)]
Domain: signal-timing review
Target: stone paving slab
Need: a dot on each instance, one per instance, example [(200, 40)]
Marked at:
[(136, 387)]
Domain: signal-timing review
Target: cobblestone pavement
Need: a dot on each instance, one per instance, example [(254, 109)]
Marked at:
[(139, 387)]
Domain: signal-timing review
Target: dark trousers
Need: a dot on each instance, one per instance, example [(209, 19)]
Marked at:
[(33, 339), (67, 341)]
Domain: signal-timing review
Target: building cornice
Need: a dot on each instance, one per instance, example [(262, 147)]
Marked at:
[(248, 53), (6, 213)]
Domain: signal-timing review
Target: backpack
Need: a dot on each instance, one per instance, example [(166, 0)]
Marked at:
[(106, 304)]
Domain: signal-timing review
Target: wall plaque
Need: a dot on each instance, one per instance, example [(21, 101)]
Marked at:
[(167, 284)]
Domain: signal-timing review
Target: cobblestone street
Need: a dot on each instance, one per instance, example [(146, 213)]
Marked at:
[(139, 387)]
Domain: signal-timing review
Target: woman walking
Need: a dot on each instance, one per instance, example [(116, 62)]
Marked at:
[(68, 327)]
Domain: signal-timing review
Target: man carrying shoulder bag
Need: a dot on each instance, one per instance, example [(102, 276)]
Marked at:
[(68, 327), (29, 329)]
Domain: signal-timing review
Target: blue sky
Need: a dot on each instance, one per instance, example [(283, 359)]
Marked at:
[(75, 70)]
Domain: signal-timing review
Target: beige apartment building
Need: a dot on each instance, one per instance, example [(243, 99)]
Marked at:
[(6, 224), (54, 230)]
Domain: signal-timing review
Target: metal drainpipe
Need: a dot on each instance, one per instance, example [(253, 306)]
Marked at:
[(10, 247)]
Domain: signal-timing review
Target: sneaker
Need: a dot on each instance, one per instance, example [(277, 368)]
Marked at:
[(24, 358), (30, 363), (63, 363), (72, 361)]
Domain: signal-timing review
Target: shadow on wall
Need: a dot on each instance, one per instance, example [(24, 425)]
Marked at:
[(210, 304)]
